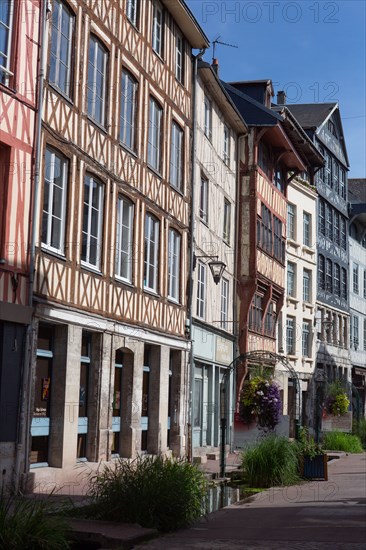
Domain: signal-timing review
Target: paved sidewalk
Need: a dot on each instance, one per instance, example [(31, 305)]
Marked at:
[(311, 516)]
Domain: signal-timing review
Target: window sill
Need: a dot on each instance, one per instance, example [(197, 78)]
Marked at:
[(91, 268), (179, 191), (308, 305), (58, 90), (151, 292), (180, 83), (308, 250), (293, 243), (124, 281), (173, 301), (154, 171), (53, 252), (133, 25), (97, 124), (292, 300), (158, 55), (128, 150)]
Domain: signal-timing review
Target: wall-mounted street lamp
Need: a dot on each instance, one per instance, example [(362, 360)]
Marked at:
[(217, 267)]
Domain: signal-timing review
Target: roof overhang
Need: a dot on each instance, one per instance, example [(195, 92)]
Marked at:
[(187, 23), (289, 156), (221, 98)]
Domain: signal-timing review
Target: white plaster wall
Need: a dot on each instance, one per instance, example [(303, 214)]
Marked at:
[(357, 254)]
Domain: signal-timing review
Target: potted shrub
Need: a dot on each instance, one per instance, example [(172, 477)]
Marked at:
[(261, 402), (313, 460)]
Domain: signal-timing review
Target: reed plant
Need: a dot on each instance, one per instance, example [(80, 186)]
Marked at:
[(157, 492), (340, 441), (271, 462)]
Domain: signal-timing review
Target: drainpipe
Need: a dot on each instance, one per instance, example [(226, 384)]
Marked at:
[(26, 382), (191, 244)]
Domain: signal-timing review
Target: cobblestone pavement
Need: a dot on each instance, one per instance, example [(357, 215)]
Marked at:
[(311, 516)]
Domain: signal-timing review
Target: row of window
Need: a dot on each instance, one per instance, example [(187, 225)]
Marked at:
[(202, 296), (355, 329), (269, 234), (332, 277), (307, 294), (54, 221), (292, 336), (204, 210), (356, 280), (292, 225), (257, 322), (97, 100), (278, 174), (207, 128), (332, 174), (332, 224), (333, 328)]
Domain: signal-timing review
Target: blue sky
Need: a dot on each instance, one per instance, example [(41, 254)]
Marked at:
[(315, 50)]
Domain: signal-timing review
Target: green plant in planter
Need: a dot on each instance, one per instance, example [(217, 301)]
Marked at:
[(306, 445), (337, 401)]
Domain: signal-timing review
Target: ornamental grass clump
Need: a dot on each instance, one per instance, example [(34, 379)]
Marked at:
[(29, 524), (157, 492), (271, 462), (359, 429), (340, 441)]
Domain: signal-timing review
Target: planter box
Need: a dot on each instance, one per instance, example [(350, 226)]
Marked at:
[(315, 468)]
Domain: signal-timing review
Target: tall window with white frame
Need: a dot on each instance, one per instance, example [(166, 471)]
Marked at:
[(6, 28), (307, 229), (226, 145), (224, 303), (291, 279), (124, 239), (151, 253), (306, 339), (364, 334), (179, 58), (154, 138), (174, 264), (306, 286), (329, 275), (201, 290), (227, 221), (97, 81), (329, 222), (337, 280), (290, 336), (157, 29), (131, 11), (128, 109), (355, 278), (291, 221), (203, 206), (91, 246), (54, 201), (62, 30), (176, 156), (355, 332), (208, 118)]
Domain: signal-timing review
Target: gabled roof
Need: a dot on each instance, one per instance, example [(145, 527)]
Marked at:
[(357, 188), (253, 112), (311, 115)]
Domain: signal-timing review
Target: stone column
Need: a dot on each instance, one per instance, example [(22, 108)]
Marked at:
[(158, 400), (179, 416), (65, 385), (131, 398), (105, 383)]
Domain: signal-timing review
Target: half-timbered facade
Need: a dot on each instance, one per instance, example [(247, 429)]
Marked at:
[(214, 330), (110, 365), (19, 32), (275, 150)]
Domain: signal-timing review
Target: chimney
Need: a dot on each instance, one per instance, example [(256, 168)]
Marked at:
[(281, 98), (215, 65)]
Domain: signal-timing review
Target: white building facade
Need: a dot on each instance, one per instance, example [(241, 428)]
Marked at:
[(215, 186)]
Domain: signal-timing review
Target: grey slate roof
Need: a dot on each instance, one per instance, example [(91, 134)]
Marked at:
[(253, 112), (311, 115), (357, 190)]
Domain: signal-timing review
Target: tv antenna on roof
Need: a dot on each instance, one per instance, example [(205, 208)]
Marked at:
[(218, 41)]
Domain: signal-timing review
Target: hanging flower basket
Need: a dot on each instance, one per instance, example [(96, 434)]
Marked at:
[(336, 402), (261, 402)]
